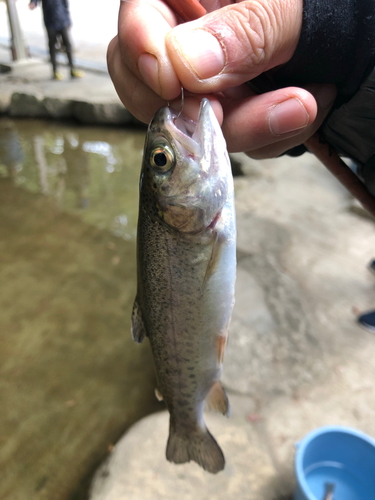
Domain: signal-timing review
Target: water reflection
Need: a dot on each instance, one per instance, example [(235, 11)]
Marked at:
[(11, 153), (90, 172), (71, 378)]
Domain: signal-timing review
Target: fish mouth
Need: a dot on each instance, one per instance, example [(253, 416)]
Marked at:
[(192, 139), (198, 185)]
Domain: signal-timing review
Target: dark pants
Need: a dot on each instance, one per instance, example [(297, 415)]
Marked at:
[(52, 38)]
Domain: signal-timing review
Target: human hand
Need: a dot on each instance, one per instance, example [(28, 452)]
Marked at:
[(153, 55)]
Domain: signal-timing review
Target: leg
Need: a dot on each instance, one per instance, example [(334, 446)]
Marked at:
[(68, 46), (74, 73), (52, 34)]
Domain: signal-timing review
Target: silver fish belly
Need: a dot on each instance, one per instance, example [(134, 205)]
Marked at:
[(186, 252)]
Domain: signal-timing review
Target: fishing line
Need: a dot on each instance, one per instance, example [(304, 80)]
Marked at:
[(182, 102)]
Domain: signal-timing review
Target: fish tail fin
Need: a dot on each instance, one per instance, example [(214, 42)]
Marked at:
[(199, 446)]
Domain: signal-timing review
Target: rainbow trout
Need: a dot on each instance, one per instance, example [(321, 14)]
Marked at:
[(186, 250)]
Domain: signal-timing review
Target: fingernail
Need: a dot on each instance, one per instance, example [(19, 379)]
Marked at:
[(288, 116), (202, 51), (148, 67)]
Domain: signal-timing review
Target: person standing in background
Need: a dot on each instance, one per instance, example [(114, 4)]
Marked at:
[(57, 22)]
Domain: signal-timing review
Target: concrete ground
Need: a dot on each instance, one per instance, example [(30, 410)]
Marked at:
[(28, 90), (296, 358)]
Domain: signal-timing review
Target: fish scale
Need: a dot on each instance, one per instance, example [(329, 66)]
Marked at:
[(186, 254)]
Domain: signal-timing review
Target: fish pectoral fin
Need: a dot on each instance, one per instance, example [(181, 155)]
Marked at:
[(158, 394), (217, 399), (138, 329), (213, 260)]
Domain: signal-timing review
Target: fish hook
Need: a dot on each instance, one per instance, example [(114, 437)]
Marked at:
[(182, 103)]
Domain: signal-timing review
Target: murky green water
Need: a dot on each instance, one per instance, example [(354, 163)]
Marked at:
[(71, 379), (90, 172)]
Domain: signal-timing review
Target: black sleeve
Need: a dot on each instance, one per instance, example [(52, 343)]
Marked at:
[(337, 45)]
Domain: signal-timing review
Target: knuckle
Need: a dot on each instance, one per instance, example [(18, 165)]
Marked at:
[(254, 24)]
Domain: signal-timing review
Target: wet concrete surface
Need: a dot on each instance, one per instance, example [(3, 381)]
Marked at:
[(28, 90), (296, 358), (71, 378)]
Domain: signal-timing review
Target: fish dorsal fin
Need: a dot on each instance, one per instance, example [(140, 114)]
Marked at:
[(217, 399), (138, 328)]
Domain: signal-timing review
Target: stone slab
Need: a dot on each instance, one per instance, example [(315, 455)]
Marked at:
[(29, 91), (296, 358), (101, 113), (138, 470), (27, 105)]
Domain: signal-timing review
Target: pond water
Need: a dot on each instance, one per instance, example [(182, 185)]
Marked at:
[(72, 380), (90, 172)]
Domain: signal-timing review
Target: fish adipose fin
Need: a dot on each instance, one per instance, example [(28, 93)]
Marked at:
[(217, 399), (138, 328), (200, 447)]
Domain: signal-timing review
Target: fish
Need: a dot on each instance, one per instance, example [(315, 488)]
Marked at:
[(186, 271)]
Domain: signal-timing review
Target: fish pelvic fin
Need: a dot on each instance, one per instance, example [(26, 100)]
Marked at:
[(200, 446), (158, 394), (138, 329), (217, 399)]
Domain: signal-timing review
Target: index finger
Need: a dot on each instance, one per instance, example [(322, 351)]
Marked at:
[(188, 10), (142, 28)]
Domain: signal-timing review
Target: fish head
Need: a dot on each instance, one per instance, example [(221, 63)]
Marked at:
[(186, 174)]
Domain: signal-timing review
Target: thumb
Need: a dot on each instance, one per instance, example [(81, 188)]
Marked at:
[(234, 44)]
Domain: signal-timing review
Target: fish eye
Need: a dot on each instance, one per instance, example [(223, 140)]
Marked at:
[(162, 158)]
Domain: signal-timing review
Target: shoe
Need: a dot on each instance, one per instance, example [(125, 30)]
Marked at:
[(371, 266), (367, 320), (57, 76), (76, 73)]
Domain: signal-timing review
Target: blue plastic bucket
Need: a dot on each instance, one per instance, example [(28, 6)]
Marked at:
[(339, 456)]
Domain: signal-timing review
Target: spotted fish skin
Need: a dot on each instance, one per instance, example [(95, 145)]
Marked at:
[(186, 252)]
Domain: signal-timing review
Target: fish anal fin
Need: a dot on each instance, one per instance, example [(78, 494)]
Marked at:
[(199, 446), (217, 399), (138, 328)]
